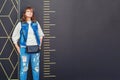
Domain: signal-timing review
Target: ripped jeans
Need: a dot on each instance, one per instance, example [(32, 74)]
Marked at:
[(24, 63)]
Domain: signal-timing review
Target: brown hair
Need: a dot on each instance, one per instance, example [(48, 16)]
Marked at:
[(24, 17)]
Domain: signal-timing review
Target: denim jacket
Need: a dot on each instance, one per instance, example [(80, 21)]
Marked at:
[(24, 32)]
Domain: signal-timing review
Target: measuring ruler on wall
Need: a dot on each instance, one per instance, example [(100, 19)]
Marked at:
[(49, 59)]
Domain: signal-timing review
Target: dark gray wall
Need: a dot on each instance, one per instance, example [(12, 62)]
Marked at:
[(88, 32)]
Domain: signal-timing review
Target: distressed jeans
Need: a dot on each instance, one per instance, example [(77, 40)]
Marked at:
[(24, 63)]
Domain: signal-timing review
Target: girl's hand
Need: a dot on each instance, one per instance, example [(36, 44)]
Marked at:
[(40, 47), (18, 49)]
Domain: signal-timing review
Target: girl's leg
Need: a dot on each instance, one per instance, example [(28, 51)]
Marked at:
[(35, 65), (24, 62)]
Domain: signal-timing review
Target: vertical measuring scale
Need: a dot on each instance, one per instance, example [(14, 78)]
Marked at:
[(49, 62)]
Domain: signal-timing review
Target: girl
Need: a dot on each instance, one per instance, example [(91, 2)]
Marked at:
[(33, 35)]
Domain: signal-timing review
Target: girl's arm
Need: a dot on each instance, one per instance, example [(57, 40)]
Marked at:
[(40, 33), (16, 36)]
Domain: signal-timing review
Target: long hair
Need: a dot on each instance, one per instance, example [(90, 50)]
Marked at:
[(23, 19)]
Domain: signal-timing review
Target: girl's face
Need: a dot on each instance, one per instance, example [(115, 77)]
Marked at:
[(29, 13)]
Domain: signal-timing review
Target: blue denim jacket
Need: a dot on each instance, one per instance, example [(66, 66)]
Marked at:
[(24, 32)]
